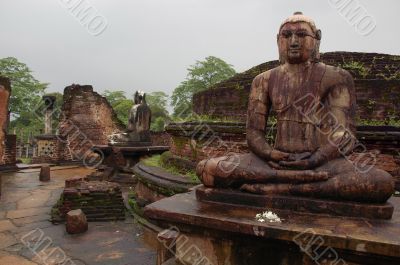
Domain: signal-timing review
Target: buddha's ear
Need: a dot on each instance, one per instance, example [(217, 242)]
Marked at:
[(318, 34), (277, 37)]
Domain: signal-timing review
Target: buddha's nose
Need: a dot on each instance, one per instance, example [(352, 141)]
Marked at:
[(294, 42)]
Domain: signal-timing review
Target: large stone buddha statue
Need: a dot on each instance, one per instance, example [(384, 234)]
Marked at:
[(315, 108)]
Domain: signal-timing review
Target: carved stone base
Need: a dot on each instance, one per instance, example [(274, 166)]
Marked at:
[(298, 204), (220, 233)]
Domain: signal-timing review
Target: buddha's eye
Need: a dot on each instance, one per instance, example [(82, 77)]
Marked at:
[(287, 34), (301, 34)]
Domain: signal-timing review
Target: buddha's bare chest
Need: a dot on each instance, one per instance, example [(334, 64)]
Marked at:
[(290, 91)]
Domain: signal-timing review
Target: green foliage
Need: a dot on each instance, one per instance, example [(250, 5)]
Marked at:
[(356, 67), (158, 124), (26, 90), (205, 118), (390, 121), (158, 102), (114, 97), (156, 161), (120, 104), (201, 75)]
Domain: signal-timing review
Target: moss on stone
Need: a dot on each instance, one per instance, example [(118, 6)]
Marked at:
[(356, 67), (157, 161)]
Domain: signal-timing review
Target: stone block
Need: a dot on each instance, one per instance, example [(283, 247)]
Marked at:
[(76, 222), (44, 173)]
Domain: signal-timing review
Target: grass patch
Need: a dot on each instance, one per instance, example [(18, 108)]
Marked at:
[(156, 161), (205, 118), (372, 122), (25, 160)]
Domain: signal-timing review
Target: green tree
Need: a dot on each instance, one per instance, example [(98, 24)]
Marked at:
[(158, 102), (26, 90), (114, 97), (120, 103), (201, 76)]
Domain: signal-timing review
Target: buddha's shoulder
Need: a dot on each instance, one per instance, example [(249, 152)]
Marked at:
[(335, 73), (266, 75)]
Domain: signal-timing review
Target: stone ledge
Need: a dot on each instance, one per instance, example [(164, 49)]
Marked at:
[(297, 204), (366, 238)]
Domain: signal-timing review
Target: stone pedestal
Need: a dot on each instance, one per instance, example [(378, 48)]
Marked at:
[(123, 159), (221, 233)]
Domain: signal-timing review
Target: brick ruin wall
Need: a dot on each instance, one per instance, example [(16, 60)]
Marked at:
[(86, 120), (5, 91), (160, 138), (377, 82), (10, 156)]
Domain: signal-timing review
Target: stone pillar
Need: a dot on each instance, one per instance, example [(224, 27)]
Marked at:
[(48, 111), (5, 91), (44, 173)]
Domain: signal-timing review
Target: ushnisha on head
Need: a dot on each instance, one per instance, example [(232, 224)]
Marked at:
[(298, 40)]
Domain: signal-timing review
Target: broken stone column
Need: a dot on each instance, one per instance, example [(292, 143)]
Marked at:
[(48, 111), (5, 91), (44, 173), (76, 222)]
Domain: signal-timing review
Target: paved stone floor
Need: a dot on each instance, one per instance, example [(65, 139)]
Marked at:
[(27, 237)]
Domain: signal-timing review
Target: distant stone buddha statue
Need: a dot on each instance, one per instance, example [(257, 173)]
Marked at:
[(315, 108), (138, 129)]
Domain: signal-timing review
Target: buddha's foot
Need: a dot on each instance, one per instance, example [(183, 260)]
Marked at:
[(267, 189)]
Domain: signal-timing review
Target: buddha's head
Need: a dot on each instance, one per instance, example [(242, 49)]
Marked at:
[(298, 40)]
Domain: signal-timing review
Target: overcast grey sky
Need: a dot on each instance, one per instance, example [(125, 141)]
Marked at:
[(148, 44)]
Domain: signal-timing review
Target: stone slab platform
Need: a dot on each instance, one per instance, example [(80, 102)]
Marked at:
[(298, 204), (367, 241), (131, 149)]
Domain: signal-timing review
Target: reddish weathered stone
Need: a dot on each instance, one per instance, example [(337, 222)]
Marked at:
[(87, 120), (5, 91), (44, 173), (76, 222), (99, 200), (72, 182)]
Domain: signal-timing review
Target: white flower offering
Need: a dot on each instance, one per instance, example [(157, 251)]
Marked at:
[(268, 216)]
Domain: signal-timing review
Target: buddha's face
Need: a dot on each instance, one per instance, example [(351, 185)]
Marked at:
[(296, 42)]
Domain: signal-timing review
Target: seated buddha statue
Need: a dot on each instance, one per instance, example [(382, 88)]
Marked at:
[(138, 129), (315, 108)]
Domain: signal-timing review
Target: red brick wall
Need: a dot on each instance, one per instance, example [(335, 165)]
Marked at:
[(160, 138), (86, 120), (5, 91), (10, 156)]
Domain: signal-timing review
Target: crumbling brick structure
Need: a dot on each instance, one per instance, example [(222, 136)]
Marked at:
[(5, 91), (86, 120)]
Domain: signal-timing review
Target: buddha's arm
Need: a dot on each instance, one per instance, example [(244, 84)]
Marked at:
[(257, 116), (341, 104)]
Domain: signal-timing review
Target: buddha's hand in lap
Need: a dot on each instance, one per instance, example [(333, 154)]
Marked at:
[(278, 156), (304, 161)]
